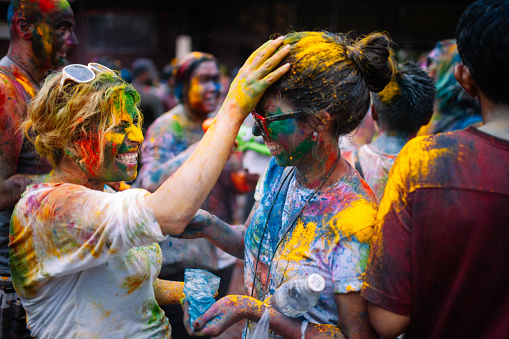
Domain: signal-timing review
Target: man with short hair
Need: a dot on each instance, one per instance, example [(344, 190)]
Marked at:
[(41, 35), (400, 110), (144, 73), (439, 259)]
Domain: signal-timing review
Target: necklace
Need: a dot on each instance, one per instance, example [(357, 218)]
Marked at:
[(264, 286)]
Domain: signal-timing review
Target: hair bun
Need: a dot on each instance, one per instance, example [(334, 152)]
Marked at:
[(40, 147), (373, 55)]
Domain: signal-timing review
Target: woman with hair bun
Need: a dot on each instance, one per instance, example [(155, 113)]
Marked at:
[(83, 260), (314, 213)]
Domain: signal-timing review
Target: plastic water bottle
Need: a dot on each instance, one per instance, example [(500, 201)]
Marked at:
[(299, 295)]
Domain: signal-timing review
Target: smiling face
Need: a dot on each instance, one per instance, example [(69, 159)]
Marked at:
[(204, 89), (120, 145), (290, 141), (53, 36)]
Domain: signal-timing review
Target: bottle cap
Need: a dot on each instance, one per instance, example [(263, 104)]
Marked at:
[(316, 282)]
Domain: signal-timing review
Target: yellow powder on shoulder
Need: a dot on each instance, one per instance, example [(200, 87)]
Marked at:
[(357, 219)]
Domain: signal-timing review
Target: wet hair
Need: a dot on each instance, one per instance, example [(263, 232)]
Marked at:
[(331, 72), (184, 69), (75, 115), (483, 44), (407, 102)]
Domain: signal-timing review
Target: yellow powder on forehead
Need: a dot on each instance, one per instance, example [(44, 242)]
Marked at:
[(356, 219)]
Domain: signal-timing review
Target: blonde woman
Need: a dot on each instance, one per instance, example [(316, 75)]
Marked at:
[(84, 261)]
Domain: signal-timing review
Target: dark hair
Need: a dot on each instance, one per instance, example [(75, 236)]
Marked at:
[(483, 44), (142, 65), (185, 67), (407, 102), (330, 72)]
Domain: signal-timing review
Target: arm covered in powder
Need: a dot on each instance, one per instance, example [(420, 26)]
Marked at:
[(231, 309), (168, 292), (229, 238)]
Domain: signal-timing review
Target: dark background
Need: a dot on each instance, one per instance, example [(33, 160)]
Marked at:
[(126, 29)]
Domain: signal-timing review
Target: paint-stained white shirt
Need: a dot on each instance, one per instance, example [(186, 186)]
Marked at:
[(84, 263)]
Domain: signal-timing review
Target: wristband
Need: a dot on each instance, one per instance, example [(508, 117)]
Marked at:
[(303, 327)]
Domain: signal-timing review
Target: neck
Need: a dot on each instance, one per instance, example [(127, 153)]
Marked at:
[(495, 118), (323, 166), (24, 59), (390, 142), (198, 117), (68, 171)]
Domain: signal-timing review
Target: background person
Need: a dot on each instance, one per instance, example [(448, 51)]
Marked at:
[(454, 108), (400, 110), (144, 74), (41, 35)]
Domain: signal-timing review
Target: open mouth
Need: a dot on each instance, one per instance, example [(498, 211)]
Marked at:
[(130, 158), (274, 148)]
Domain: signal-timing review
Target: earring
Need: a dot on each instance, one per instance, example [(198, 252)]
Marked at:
[(315, 135)]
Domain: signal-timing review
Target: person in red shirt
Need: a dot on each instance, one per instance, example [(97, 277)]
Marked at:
[(438, 265)]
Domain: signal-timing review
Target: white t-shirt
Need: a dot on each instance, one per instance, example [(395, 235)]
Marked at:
[(84, 263)]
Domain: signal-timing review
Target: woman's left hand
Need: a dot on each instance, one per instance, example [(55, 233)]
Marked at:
[(220, 316)]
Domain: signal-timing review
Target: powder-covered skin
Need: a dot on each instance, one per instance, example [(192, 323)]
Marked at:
[(81, 268), (331, 238)]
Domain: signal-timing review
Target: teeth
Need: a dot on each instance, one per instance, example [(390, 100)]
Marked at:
[(128, 157), (273, 147)]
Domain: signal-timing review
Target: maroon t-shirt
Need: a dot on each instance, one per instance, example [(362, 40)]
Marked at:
[(441, 251)]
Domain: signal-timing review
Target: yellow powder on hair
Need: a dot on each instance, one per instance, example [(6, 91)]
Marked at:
[(390, 92)]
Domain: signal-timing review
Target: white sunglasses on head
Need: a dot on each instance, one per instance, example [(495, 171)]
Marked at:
[(82, 74)]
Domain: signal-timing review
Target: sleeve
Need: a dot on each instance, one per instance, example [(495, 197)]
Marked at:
[(76, 228), (388, 281), (355, 227)]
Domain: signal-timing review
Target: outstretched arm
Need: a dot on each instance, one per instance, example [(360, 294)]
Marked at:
[(192, 182), (227, 311), (168, 292)]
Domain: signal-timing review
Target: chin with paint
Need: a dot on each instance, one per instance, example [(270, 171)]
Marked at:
[(84, 258), (313, 214)]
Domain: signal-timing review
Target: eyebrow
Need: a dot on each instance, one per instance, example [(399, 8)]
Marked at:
[(62, 21)]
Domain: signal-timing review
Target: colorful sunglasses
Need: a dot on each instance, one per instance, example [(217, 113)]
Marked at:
[(261, 122), (82, 74)]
